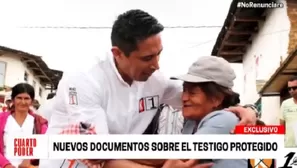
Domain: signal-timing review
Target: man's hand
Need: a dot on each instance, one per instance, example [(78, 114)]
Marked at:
[(247, 115), (25, 164), (185, 164)]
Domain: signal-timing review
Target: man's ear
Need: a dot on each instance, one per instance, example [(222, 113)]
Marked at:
[(116, 52)]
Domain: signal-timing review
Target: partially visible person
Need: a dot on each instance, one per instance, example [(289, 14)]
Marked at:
[(207, 92), (171, 121), (288, 113), (34, 107), (167, 121), (7, 107), (20, 120), (45, 110), (36, 104)]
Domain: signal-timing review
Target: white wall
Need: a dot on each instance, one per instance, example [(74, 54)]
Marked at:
[(270, 109), (15, 71), (270, 44)]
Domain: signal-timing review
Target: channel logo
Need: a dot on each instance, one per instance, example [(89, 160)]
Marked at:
[(261, 163)]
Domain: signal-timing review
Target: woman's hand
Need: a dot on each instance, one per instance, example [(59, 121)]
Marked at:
[(185, 164)]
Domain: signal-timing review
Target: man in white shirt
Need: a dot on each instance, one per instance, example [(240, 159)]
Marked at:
[(45, 110), (288, 114), (122, 93)]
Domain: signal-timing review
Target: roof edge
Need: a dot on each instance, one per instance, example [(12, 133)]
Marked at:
[(279, 70), (227, 23)]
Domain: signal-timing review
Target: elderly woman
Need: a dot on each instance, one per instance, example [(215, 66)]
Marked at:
[(207, 92)]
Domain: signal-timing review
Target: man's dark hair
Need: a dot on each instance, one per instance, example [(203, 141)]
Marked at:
[(293, 78), (132, 27)]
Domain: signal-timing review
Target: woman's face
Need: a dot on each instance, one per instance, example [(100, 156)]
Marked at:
[(22, 102), (196, 104)]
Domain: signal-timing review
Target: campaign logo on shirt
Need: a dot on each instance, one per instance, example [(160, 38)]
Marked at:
[(73, 96), (148, 103)]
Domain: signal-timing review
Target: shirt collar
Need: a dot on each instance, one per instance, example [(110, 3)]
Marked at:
[(114, 68)]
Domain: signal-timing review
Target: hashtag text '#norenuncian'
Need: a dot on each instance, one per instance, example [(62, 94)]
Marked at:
[(260, 5)]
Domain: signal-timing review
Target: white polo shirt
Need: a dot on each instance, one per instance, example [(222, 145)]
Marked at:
[(45, 110), (100, 96)]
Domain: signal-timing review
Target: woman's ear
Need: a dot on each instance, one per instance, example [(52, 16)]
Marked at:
[(217, 101)]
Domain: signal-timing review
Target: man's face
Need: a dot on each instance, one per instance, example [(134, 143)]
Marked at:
[(141, 63), (292, 87)]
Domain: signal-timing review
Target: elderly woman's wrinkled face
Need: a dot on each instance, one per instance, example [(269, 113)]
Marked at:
[(196, 104)]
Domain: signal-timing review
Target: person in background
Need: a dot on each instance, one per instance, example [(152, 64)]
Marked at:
[(8, 104), (121, 93), (171, 121), (167, 121), (36, 104), (34, 107), (19, 120), (288, 113), (45, 110)]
